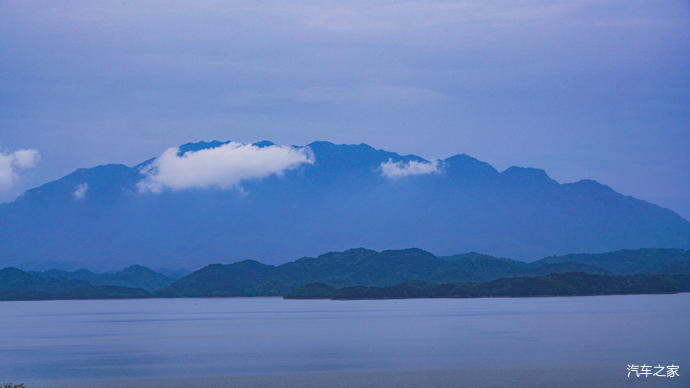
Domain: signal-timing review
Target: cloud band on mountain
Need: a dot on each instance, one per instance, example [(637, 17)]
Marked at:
[(225, 166), (391, 169), (12, 164)]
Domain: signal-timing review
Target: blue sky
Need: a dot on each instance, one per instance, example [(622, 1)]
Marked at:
[(584, 89)]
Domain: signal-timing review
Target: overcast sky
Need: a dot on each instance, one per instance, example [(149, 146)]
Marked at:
[(594, 89)]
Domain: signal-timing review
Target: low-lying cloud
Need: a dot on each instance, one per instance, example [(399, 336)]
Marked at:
[(391, 169), (14, 163), (80, 191), (222, 167)]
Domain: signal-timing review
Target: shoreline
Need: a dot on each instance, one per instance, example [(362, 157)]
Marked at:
[(343, 299)]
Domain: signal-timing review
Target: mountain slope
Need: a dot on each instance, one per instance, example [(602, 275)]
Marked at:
[(405, 273), (135, 276), (101, 219), (16, 284), (628, 261), (562, 284), (364, 267)]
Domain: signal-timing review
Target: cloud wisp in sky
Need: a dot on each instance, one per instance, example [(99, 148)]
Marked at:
[(391, 169), (222, 167), (13, 164)]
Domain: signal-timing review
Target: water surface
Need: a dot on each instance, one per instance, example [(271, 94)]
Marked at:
[(157, 338)]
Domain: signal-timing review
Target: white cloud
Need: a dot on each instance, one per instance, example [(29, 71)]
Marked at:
[(391, 169), (12, 164), (80, 191), (224, 167), (26, 158)]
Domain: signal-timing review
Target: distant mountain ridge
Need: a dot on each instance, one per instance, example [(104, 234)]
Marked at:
[(627, 261), (135, 276), (365, 267), (99, 216), (16, 284), (364, 273)]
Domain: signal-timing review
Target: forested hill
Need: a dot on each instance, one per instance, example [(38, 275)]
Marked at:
[(563, 284), (351, 268), (371, 268)]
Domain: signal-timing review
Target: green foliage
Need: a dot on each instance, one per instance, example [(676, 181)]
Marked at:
[(10, 385), (135, 276), (367, 273), (564, 284), (363, 267), (16, 284), (628, 261)]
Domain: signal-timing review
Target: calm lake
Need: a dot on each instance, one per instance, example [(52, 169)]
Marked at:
[(230, 336)]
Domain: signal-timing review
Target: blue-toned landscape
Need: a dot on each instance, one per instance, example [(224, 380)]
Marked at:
[(310, 199), (360, 193)]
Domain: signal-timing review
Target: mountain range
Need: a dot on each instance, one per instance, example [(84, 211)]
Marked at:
[(369, 273), (224, 201), (365, 267), (16, 284), (135, 276)]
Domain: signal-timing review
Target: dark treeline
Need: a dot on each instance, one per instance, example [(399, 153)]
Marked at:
[(412, 272), (16, 284), (564, 284)]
